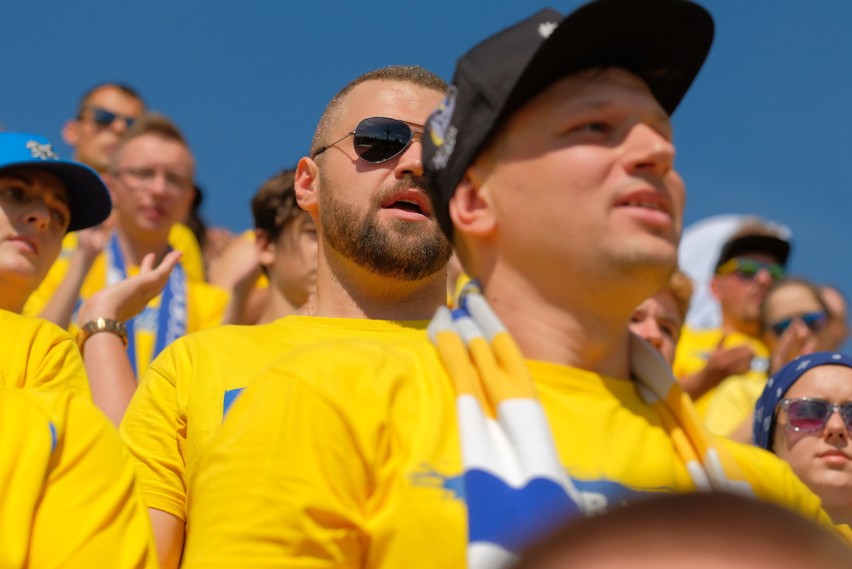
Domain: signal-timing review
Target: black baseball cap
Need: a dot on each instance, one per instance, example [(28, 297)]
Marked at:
[(775, 247), (665, 42)]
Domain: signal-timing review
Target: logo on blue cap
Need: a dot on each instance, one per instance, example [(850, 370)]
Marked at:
[(41, 150)]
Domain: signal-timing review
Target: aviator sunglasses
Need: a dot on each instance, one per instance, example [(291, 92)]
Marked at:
[(815, 321), (748, 268), (808, 415), (377, 139), (105, 118)]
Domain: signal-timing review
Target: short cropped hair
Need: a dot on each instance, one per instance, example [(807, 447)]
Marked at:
[(152, 123), (399, 73), (123, 87), (720, 529), (274, 205)]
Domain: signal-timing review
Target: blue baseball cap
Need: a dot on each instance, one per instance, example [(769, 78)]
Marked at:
[(88, 197)]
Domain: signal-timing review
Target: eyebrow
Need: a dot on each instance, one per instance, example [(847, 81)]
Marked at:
[(15, 175), (604, 104), (28, 179)]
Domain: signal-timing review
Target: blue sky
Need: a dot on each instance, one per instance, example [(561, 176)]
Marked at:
[(766, 128)]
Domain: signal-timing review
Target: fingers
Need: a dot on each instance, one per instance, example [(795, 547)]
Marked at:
[(170, 261), (797, 339), (164, 268), (147, 263), (730, 361)]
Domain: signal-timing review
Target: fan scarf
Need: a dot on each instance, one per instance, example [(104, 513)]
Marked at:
[(515, 485)]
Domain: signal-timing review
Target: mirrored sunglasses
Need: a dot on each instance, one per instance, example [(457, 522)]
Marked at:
[(748, 268), (377, 139), (815, 321), (105, 118), (808, 415)]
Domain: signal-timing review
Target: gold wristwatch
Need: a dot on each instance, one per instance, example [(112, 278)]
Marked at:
[(101, 325)]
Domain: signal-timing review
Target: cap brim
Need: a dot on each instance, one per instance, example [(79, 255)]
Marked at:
[(88, 198), (665, 42), (766, 244)]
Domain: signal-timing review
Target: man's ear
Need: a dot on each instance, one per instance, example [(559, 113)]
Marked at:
[(306, 184), (71, 132), (471, 210), (265, 248)]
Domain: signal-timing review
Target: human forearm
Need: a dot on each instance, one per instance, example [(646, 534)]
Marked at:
[(111, 377), (61, 305), (700, 382)]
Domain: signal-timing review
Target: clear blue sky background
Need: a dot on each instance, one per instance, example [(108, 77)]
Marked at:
[(766, 128)]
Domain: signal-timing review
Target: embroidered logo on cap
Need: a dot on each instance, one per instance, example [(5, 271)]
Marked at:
[(41, 150), (546, 28), (441, 132)]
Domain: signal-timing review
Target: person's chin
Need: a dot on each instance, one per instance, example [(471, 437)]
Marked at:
[(25, 272)]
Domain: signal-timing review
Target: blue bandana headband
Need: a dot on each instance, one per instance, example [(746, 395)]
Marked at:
[(779, 384)]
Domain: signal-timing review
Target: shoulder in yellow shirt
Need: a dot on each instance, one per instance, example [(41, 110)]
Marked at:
[(724, 407), (181, 400), (69, 494), (40, 354)]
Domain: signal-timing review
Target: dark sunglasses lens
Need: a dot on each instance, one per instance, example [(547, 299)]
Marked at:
[(102, 117), (779, 327), (775, 271), (815, 321), (807, 415), (747, 269), (846, 413), (380, 139)]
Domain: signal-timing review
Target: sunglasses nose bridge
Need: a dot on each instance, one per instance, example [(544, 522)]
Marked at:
[(120, 124), (763, 275), (411, 157), (835, 422)]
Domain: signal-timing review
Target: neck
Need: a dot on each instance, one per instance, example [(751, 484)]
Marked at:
[(750, 328), (277, 306), (842, 513), (12, 298), (564, 325), (346, 290), (134, 248)]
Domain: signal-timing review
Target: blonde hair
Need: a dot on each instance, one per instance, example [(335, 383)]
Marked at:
[(151, 123), (681, 288)]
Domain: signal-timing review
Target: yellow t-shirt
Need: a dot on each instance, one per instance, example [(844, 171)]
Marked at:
[(353, 460), (182, 239), (40, 354), (724, 407), (67, 487), (205, 303), (179, 405)]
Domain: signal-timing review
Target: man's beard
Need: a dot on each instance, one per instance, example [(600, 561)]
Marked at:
[(390, 252)]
